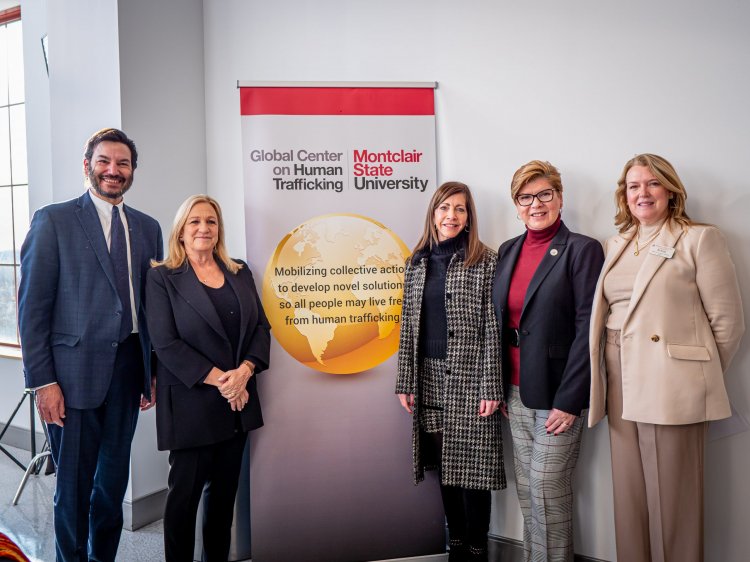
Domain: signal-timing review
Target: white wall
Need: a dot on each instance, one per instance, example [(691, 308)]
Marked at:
[(581, 83), (84, 85), (162, 105)]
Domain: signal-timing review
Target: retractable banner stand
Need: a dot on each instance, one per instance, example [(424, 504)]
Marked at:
[(337, 181)]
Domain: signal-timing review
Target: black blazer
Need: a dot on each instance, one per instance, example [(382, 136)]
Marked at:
[(554, 326), (189, 341)]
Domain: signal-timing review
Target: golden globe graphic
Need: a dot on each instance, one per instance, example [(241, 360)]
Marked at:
[(332, 292)]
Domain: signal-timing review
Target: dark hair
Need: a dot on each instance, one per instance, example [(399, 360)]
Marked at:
[(112, 135), (474, 248)]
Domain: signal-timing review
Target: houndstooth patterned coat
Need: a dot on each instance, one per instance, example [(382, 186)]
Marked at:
[(472, 455)]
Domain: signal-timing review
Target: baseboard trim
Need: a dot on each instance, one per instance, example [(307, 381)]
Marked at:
[(505, 541), (21, 438), (515, 548), (144, 510)]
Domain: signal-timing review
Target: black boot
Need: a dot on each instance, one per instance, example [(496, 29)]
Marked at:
[(478, 506), (453, 503), (457, 550), (477, 553)]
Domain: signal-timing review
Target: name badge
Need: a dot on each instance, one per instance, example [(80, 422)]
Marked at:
[(661, 251)]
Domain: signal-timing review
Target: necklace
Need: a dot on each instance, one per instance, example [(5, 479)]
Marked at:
[(646, 243), (208, 273)]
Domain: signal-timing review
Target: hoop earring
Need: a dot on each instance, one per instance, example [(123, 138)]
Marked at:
[(466, 228)]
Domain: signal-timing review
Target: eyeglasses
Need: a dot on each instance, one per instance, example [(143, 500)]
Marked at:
[(526, 199)]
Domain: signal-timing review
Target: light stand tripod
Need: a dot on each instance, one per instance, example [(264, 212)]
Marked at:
[(35, 465)]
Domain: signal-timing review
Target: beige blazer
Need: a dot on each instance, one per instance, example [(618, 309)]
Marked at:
[(681, 330)]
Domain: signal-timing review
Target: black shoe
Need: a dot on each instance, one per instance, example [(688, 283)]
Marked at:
[(457, 551), (477, 553)]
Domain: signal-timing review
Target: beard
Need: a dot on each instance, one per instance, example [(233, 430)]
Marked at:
[(113, 193)]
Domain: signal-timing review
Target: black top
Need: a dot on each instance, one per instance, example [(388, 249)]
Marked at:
[(433, 332), (228, 308)]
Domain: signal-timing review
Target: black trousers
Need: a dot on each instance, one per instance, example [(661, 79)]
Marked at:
[(211, 472), (467, 511)]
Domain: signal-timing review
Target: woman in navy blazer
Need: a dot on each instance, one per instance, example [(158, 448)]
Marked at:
[(211, 337), (543, 290)]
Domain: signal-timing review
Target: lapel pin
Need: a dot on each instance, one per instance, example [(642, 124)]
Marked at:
[(553, 252)]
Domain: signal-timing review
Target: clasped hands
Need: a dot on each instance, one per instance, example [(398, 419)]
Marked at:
[(232, 383), (232, 387)]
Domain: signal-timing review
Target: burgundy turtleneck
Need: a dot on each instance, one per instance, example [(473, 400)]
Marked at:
[(534, 247)]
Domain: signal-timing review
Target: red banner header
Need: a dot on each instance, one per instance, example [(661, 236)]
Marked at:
[(337, 101)]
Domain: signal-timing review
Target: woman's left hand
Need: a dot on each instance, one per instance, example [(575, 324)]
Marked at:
[(488, 407), (234, 382), (559, 422), (240, 401)]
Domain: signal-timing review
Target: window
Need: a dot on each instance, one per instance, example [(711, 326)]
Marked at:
[(14, 188)]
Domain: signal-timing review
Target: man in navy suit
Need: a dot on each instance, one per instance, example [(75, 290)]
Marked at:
[(86, 349)]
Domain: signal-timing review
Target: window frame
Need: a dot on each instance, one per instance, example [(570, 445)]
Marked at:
[(8, 349)]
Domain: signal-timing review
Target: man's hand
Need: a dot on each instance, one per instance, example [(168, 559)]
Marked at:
[(147, 404), (51, 404)]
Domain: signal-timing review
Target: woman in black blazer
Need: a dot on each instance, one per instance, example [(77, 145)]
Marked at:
[(543, 291), (211, 337)]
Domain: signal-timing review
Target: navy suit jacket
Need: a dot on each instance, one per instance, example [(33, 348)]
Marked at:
[(554, 326), (69, 311), (189, 341)]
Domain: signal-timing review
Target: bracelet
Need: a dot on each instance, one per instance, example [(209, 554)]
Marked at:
[(249, 366)]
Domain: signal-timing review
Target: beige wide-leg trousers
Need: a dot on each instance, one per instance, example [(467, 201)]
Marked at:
[(657, 476)]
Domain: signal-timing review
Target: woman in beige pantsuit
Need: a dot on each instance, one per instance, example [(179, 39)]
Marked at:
[(666, 322)]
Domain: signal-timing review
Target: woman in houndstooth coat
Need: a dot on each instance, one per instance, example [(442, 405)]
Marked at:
[(449, 366)]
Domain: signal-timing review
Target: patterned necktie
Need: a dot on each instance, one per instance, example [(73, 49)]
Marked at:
[(118, 253)]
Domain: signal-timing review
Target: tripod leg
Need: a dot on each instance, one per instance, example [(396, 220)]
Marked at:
[(7, 426), (32, 420), (50, 469), (11, 457), (32, 464), (13, 415)]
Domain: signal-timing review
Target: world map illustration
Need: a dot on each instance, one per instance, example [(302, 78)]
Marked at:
[(332, 291)]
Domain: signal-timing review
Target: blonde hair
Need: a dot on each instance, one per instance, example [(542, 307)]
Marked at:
[(474, 249), (532, 171), (176, 255), (668, 178)]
